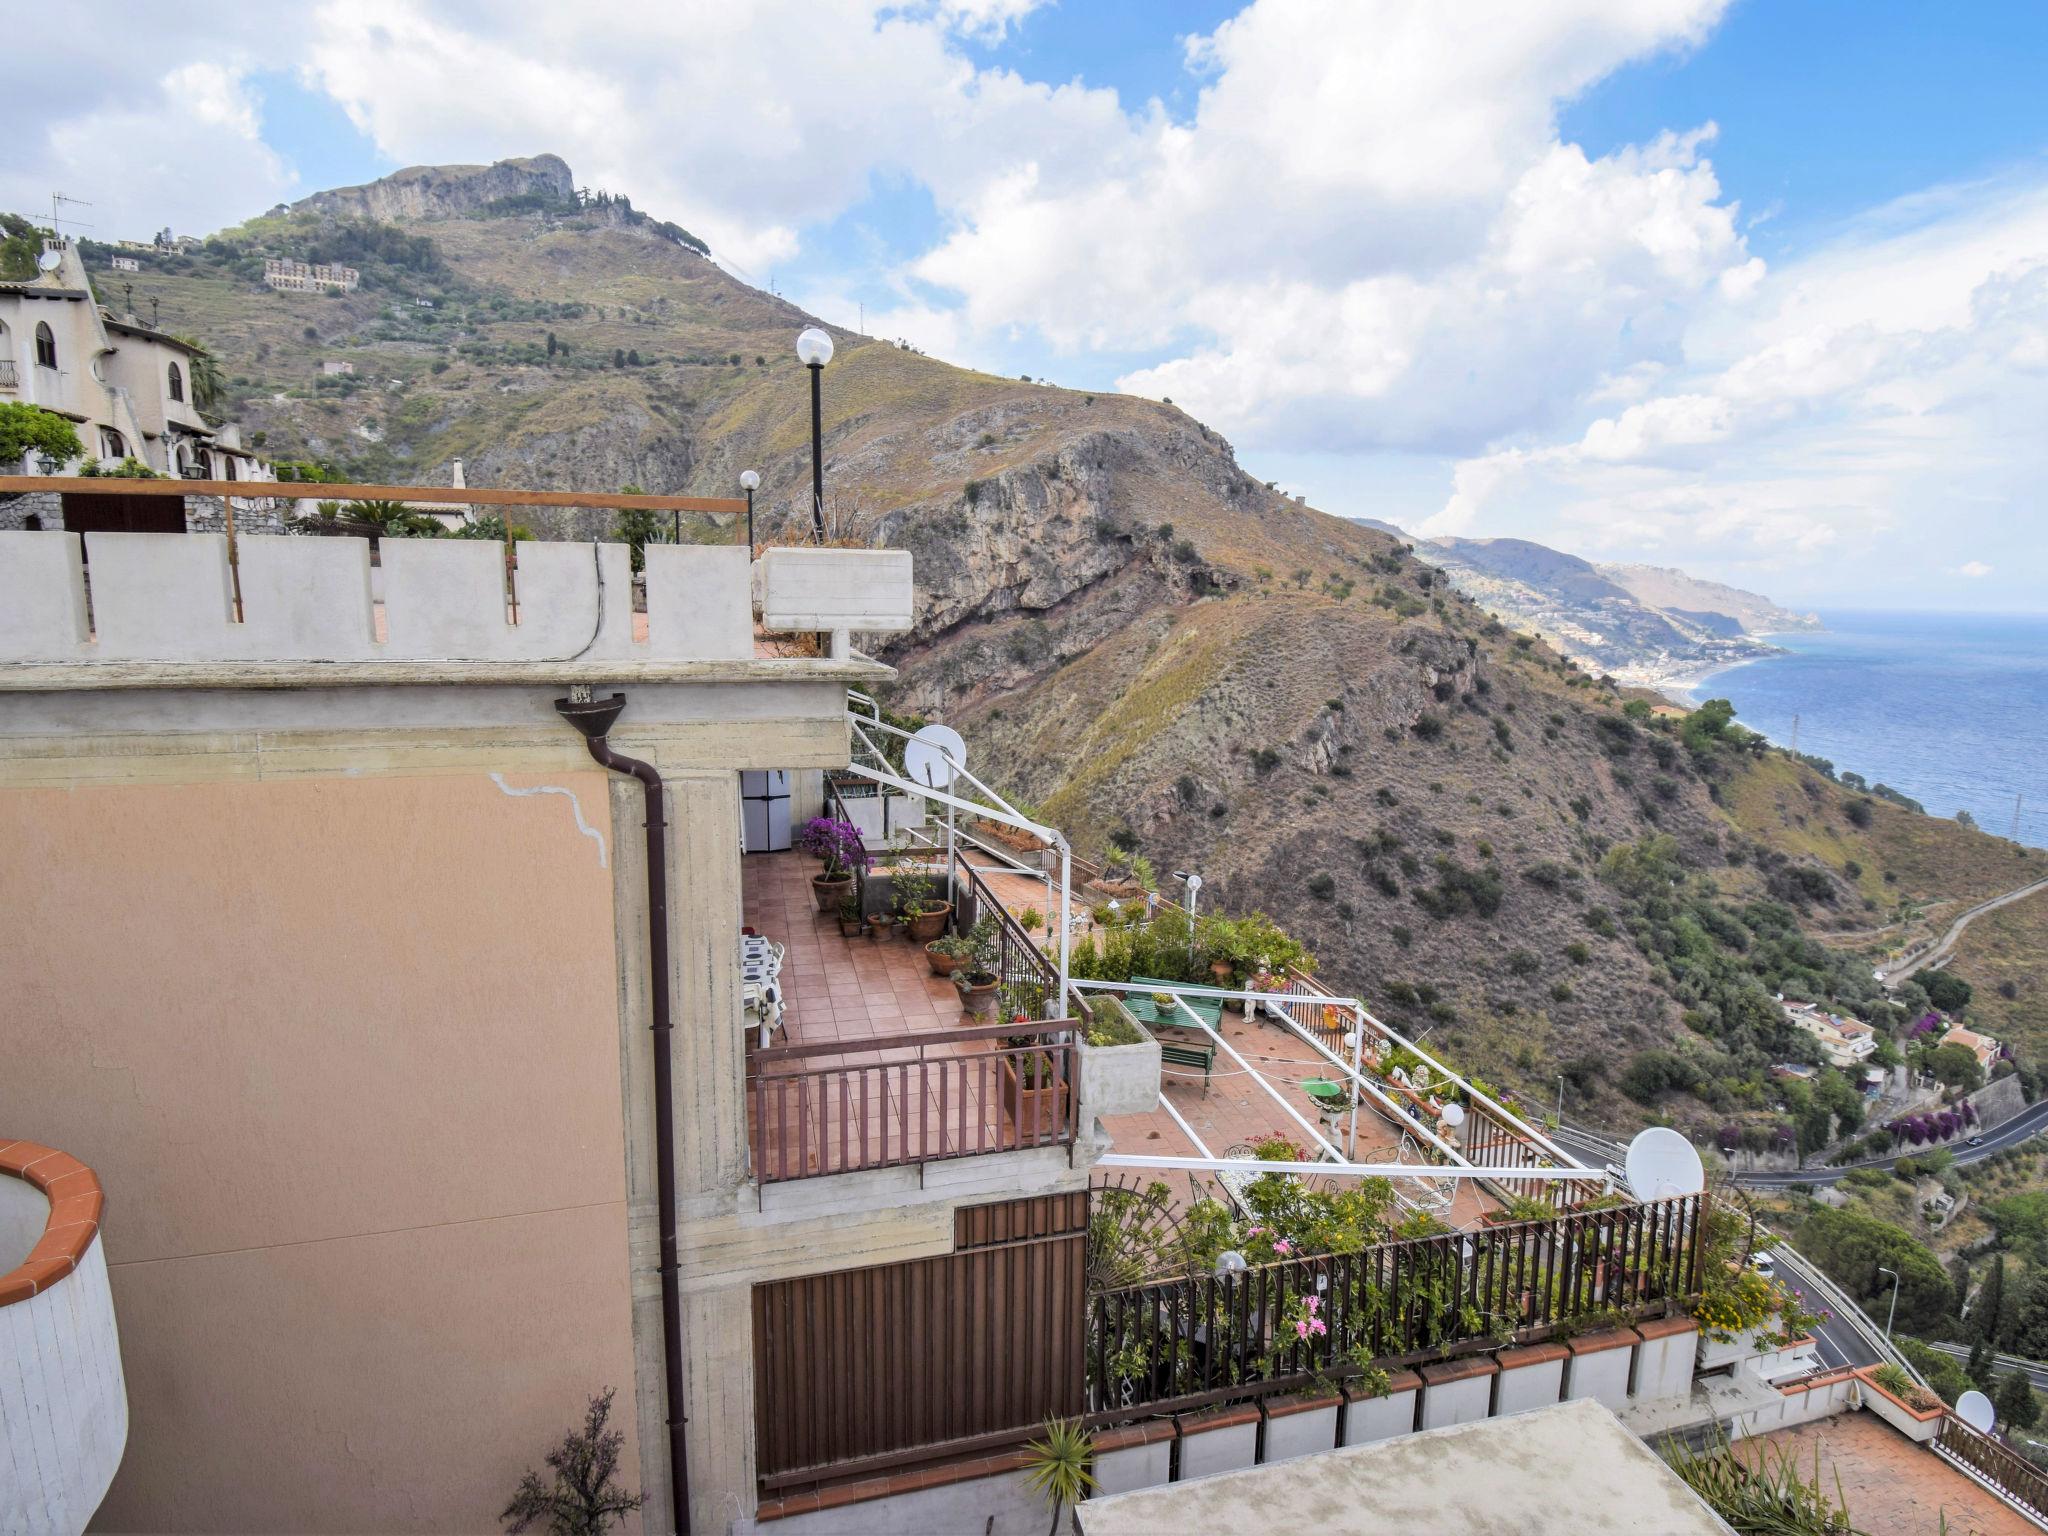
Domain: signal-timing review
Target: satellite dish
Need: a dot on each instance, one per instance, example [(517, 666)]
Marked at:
[(1661, 1163), (1975, 1410), (49, 261), (925, 756), (1453, 1115)]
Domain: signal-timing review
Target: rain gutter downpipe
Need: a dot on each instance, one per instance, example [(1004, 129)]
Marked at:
[(594, 718)]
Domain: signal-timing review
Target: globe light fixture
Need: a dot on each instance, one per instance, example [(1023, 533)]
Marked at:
[(750, 481), (814, 347), (814, 351)]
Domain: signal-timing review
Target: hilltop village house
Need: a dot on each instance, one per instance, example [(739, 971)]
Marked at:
[(289, 276), (1844, 1042), (125, 387)]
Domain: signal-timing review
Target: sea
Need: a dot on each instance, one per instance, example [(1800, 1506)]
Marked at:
[(1951, 709)]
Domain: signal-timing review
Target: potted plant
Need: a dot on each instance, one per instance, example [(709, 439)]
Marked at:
[(949, 954), (977, 976), (880, 924), (1032, 1090), (849, 915), (1031, 919), (1164, 1009), (918, 908), (1118, 1061), (839, 844)]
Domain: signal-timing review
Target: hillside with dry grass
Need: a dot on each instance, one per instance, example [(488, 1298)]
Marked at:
[(1148, 643)]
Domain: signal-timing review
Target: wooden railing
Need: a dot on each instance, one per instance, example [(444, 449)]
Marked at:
[(1021, 964), (843, 1106), (1186, 1343), (2023, 1483)]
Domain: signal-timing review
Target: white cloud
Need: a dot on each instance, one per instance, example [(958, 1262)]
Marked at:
[(1975, 569), (150, 141)]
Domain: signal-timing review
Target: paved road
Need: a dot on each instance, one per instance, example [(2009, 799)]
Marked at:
[(2036, 1372), (1837, 1340), (2028, 1123), (1893, 975)]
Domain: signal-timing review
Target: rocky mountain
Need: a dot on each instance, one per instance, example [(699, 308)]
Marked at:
[(1134, 633), (445, 191), (1641, 624), (1708, 602)]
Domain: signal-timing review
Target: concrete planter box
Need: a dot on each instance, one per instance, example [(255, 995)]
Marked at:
[(1221, 1440), (1917, 1424), (1367, 1419), (1301, 1426), (1457, 1391), (1135, 1456), (1530, 1377), (1601, 1366), (1664, 1359), (1744, 1346), (1119, 1079)]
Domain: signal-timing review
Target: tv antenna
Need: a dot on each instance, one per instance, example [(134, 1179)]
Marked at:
[(57, 199), (2015, 835)]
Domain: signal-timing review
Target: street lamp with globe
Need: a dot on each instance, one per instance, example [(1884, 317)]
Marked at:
[(750, 482), (814, 351)]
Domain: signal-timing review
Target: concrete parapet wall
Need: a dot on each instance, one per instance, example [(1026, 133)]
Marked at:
[(170, 598), (1601, 1366)]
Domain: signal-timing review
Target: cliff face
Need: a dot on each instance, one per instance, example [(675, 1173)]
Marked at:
[(445, 191)]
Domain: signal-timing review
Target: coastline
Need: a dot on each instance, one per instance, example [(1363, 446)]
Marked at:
[(1681, 685)]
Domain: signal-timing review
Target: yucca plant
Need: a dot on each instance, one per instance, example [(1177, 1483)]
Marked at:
[(1762, 1493), (1057, 1468)]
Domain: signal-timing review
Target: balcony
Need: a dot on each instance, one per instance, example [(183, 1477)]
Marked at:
[(65, 1415), (9, 379), (875, 1065)]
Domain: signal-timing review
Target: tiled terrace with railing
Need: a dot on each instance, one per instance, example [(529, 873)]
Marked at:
[(875, 1064)]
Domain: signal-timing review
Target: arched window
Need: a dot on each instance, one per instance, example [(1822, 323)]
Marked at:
[(112, 444), (177, 383), (228, 463), (46, 345)]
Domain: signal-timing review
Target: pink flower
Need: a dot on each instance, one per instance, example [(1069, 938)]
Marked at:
[(1254, 1232), (1301, 1330), (1316, 1325), (1283, 1246), (1313, 1303)]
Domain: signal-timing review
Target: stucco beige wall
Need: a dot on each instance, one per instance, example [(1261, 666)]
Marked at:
[(345, 1053)]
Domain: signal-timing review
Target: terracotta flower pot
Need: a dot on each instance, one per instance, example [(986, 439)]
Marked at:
[(830, 890), (979, 999), (923, 927), (942, 965)]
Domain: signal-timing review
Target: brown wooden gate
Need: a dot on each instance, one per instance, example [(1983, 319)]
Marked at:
[(900, 1362), (115, 513)]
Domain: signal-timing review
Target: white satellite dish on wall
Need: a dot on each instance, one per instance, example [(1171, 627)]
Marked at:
[(1661, 1163), (1975, 1410), (933, 756), (49, 261)]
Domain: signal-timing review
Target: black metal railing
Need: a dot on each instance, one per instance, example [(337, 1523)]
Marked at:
[(1998, 1464), (1021, 964), (1188, 1342), (835, 807)]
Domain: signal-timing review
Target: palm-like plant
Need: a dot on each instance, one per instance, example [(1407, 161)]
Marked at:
[(203, 369), (1763, 1491), (1057, 1469)]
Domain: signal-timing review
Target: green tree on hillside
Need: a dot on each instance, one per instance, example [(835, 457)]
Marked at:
[(1954, 1066), (1851, 1244), (1946, 990), (2017, 1406), (1987, 1321)]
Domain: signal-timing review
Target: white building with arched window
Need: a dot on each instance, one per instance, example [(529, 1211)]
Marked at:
[(128, 389)]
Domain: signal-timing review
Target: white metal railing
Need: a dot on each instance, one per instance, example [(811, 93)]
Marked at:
[(9, 379), (870, 761)]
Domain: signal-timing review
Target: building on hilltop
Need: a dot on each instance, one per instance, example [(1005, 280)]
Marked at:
[(1984, 1047), (288, 276), (127, 388)]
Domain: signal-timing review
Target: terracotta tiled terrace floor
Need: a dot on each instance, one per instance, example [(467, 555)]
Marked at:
[(853, 990), (1889, 1483)]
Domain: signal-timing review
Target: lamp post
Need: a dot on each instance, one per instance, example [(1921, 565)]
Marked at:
[(1194, 885), (750, 481), (814, 351), (1893, 1310), (1560, 1099)]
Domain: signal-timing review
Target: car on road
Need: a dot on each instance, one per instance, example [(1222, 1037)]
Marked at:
[(1974, 1141), (1764, 1265)]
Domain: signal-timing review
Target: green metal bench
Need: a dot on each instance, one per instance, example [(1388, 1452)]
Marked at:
[(1208, 1009), (1189, 1056)]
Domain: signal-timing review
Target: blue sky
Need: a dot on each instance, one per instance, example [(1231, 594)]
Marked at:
[(1758, 289)]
